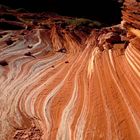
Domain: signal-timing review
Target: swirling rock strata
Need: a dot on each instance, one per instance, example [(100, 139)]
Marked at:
[(64, 84), (131, 11)]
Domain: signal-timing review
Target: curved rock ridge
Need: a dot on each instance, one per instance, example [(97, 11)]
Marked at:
[(131, 11), (53, 87), (62, 82)]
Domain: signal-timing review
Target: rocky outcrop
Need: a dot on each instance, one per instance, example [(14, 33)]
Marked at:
[(131, 11), (131, 22), (62, 79)]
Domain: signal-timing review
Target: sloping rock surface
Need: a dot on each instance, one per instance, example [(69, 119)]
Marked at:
[(62, 80)]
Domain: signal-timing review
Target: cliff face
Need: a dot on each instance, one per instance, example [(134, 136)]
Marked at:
[(62, 79), (131, 23), (131, 11)]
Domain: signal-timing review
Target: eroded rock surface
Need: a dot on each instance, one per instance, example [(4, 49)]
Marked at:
[(59, 81)]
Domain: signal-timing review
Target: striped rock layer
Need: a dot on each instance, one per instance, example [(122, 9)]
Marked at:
[(55, 87), (131, 13), (81, 93)]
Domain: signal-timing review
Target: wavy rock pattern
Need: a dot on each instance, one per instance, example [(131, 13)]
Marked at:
[(81, 94), (56, 85), (131, 12)]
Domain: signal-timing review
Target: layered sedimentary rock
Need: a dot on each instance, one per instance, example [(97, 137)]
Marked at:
[(131, 11), (131, 20), (131, 23), (60, 81)]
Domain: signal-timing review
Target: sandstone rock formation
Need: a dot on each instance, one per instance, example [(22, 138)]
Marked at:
[(62, 80)]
